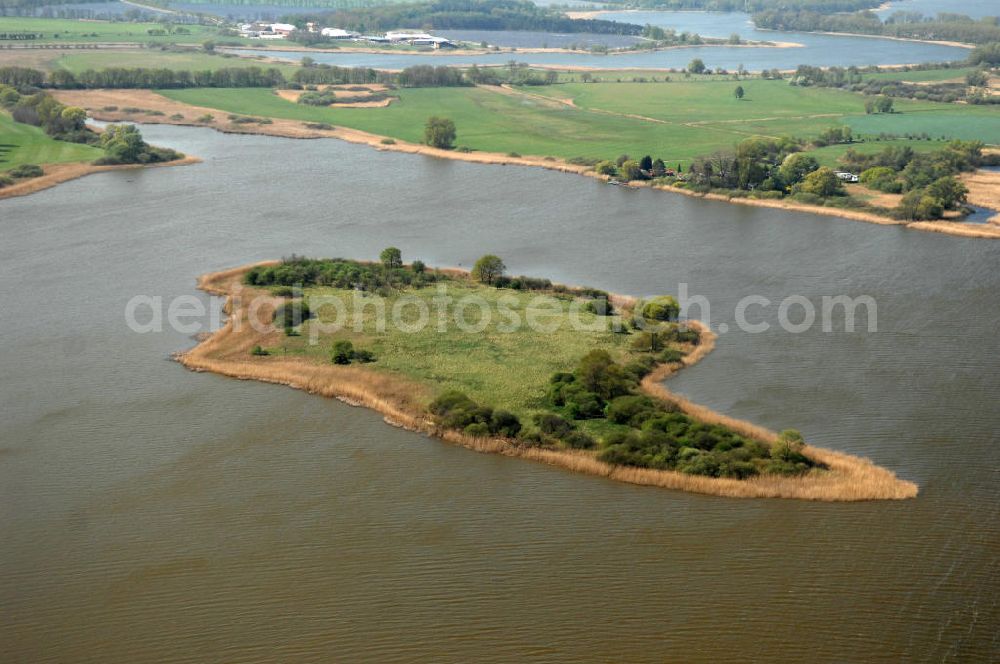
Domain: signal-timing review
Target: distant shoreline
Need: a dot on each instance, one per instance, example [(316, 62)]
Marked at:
[(96, 100), (597, 13)]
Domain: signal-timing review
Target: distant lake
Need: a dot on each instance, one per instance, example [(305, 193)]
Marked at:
[(522, 39), (973, 8), (819, 50)]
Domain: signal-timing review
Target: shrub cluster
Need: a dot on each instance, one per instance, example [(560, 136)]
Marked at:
[(927, 178), (324, 98), (344, 352), (455, 410), (338, 273)]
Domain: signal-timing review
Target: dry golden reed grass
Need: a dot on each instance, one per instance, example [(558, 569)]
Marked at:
[(402, 403)]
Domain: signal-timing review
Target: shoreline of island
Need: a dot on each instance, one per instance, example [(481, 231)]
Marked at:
[(848, 478)]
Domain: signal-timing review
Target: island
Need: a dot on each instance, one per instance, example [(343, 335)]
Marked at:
[(518, 366)]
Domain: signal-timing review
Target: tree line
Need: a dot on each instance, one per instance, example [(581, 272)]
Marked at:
[(464, 15), (878, 90), (825, 6), (122, 144), (945, 27), (232, 77)]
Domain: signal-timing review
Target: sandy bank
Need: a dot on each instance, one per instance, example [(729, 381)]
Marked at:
[(402, 403), (59, 173), (957, 228), (96, 100), (902, 39)]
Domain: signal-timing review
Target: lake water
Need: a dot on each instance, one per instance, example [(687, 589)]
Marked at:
[(819, 50), (153, 514), (973, 8), (524, 39)]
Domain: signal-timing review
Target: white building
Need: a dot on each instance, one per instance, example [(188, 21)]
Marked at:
[(338, 33), (846, 177), (418, 39), (266, 30)]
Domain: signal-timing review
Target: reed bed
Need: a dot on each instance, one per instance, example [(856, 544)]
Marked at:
[(403, 402)]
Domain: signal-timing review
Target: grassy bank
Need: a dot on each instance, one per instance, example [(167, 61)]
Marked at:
[(58, 31), (25, 144), (678, 120), (402, 381)]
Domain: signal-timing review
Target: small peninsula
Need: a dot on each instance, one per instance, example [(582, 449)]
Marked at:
[(517, 366)]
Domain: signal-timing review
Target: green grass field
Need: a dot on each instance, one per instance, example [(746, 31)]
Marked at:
[(921, 76), (831, 154), (486, 120), (74, 31), (677, 121), (508, 370), (77, 62), (953, 121), (24, 144)]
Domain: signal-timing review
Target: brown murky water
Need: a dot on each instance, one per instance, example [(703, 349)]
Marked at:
[(152, 514)]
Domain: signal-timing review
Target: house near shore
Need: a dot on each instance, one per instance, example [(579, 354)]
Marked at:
[(847, 177)]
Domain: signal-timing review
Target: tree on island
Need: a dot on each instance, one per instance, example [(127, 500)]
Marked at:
[(739, 92), (123, 143), (697, 66), (488, 269), (663, 308), (439, 133), (391, 258)]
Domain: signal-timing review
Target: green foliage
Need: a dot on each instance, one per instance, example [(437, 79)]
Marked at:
[(455, 410), (257, 351), (8, 96), (881, 178), (123, 144), (697, 66), (739, 92), (630, 170), (663, 308), (26, 171), (796, 167), (439, 133), (324, 98), (822, 182), (392, 258), (488, 269), (343, 352), (606, 168), (292, 313), (301, 271)]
